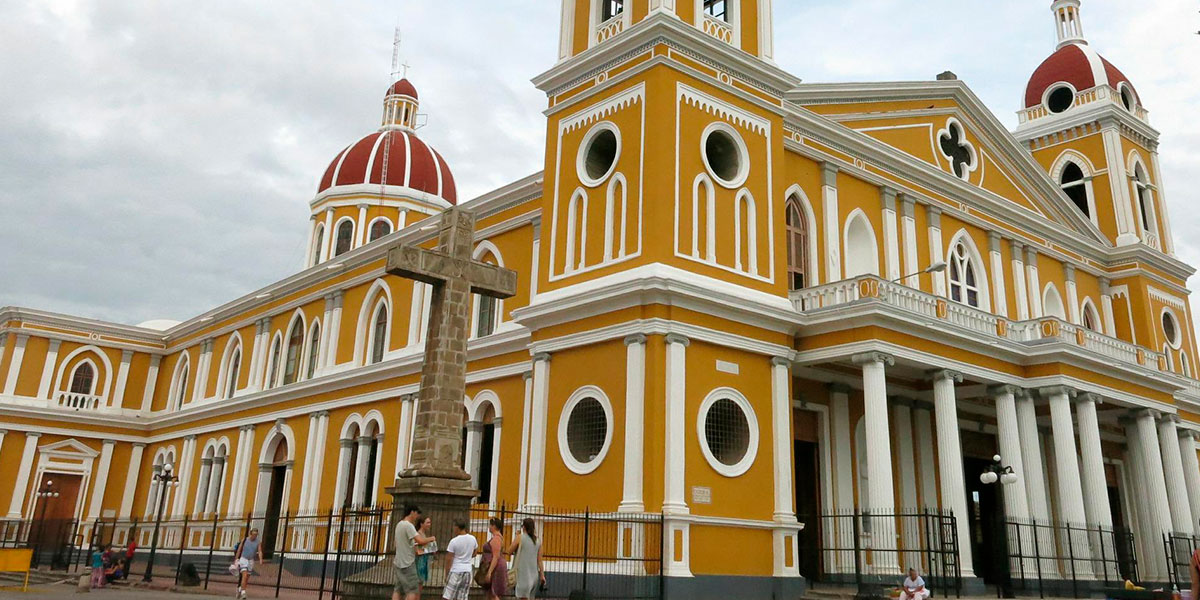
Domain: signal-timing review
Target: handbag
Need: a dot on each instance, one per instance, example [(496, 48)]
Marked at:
[(233, 568), (512, 572), (481, 578)]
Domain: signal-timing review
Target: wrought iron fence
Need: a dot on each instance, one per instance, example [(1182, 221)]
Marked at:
[(348, 554), (1179, 548), (1067, 555), (875, 549)]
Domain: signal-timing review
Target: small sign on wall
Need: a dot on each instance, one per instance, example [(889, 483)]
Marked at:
[(725, 366), (701, 495)]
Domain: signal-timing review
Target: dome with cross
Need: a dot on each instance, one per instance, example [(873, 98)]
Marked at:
[(393, 159)]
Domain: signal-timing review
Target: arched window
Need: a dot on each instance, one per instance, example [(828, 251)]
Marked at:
[(704, 212), (746, 234), (295, 344), (964, 277), (616, 207), (345, 237), (83, 380), (181, 385), (1075, 187), (862, 253), (273, 372), (318, 244), (1091, 318), (797, 245), (232, 370), (1052, 303), (379, 333), (577, 232), (1145, 198), (379, 228), (314, 346)]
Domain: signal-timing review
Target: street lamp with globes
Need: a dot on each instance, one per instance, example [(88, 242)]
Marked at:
[(44, 495), (997, 472), (165, 479)]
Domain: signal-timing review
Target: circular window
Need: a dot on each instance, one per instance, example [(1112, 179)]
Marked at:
[(1170, 328), (728, 432), (725, 155), (1060, 99), (598, 155), (1127, 98), (585, 430)]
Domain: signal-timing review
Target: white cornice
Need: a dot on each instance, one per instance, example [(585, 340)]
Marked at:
[(1080, 116)]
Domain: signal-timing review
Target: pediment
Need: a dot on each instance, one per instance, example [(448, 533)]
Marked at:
[(69, 448)]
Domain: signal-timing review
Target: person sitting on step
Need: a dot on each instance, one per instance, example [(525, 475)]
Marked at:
[(913, 587)]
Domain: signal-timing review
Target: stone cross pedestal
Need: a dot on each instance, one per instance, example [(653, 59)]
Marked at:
[(435, 475)]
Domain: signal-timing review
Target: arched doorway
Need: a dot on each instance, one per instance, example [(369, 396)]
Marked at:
[(277, 470)]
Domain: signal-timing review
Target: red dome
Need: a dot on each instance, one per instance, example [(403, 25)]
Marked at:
[(411, 163), (404, 87), (1078, 65)]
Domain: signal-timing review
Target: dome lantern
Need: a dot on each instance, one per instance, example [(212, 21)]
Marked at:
[(400, 106), (1067, 23)]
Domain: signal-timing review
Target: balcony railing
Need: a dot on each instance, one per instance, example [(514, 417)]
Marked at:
[(718, 28), (78, 401), (1100, 93), (610, 28), (935, 308)]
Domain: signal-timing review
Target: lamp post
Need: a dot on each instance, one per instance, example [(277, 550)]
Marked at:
[(44, 495), (999, 473), (165, 479), (936, 267)]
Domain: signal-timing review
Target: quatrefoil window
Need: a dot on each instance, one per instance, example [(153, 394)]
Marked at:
[(956, 149)]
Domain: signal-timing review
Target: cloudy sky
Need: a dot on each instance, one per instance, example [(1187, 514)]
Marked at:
[(158, 157)]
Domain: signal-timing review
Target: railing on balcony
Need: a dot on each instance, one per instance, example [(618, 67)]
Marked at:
[(935, 308), (78, 401), (610, 28), (1100, 93), (718, 28)]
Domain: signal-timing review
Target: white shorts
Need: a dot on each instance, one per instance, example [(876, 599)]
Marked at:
[(243, 565)]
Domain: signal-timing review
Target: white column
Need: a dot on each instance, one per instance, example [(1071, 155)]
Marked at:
[(262, 349), (880, 478), (781, 427), (1177, 493), (314, 481), (1033, 282), (202, 482), (950, 462), (100, 483), (327, 243), (1016, 499), (843, 475), (14, 364), (1156, 484), (201, 388), (345, 455), (253, 381), (48, 370), (118, 396), (215, 479), (635, 419), (1031, 459), (923, 417), (537, 432), (675, 452), (1070, 489), (245, 463), (526, 413), (936, 248), (1095, 484), (404, 435), (24, 472), (1018, 273), (999, 293), (1191, 468), (312, 235), (1072, 295), (306, 473), (131, 480), (1165, 237), (832, 219), (359, 498), (1147, 525), (908, 236), (1106, 307), (362, 225), (891, 236), (906, 476)]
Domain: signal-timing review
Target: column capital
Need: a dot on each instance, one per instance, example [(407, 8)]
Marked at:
[(829, 173), (1092, 397), (541, 357), (108, 442), (888, 194), (207, 461), (365, 440), (637, 338), (191, 437), (1169, 418), (873, 357), (218, 460), (781, 361), (675, 338), (1190, 434), (1055, 390), (1003, 389), (945, 374), (139, 444), (527, 375), (475, 426), (247, 428), (321, 414), (1138, 413), (839, 388), (346, 442), (497, 422), (1031, 254), (32, 434)]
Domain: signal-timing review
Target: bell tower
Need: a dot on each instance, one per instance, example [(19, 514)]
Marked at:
[(743, 24)]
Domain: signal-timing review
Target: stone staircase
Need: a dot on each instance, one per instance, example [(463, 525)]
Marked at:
[(37, 577)]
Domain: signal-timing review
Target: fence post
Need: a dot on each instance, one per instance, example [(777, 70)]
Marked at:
[(1103, 554), (1071, 555), (1037, 556), (587, 530), (282, 541), (337, 565), (212, 542), (857, 526)]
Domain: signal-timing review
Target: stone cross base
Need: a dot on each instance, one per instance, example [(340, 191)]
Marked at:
[(442, 500)]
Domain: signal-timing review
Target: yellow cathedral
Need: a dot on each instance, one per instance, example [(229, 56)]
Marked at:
[(746, 303)]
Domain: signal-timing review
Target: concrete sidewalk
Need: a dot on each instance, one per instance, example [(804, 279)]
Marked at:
[(67, 592)]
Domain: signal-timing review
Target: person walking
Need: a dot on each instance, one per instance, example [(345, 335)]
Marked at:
[(459, 554), (527, 560), (246, 552), (496, 581), (408, 584)]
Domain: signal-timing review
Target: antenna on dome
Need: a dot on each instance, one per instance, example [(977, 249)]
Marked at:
[(396, 64)]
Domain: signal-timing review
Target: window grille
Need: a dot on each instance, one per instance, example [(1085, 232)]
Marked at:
[(587, 429), (727, 432)]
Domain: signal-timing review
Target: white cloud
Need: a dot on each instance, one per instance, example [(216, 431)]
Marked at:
[(159, 161)]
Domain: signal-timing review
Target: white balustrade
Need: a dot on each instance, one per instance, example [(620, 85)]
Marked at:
[(78, 401), (719, 29), (610, 28)]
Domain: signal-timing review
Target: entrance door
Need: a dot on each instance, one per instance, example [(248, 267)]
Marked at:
[(487, 440), (274, 509), (54, 518), (984, 517), (1121, 538), (808, 507)]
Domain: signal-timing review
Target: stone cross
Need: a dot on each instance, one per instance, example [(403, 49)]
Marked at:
[(454, 275)]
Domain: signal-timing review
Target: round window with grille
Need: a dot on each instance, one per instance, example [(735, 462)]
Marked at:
[(598, 154), (585, 431), (725, 155), (1170, 329), (728, 433)]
